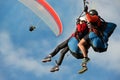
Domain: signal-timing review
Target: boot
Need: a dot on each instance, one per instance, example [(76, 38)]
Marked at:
[(84, 68), (85, 60), (47, 59), (84, 65), (55, 68)]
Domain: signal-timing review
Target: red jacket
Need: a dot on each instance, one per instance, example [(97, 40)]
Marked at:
[(80, 28), (93, 19)]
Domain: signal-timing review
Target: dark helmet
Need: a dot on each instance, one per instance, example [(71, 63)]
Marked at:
[(93, 12)]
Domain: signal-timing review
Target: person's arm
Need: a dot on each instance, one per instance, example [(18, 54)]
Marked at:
[(91, 18)]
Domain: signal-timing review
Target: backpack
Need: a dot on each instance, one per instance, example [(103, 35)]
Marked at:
[(74, 49), (100, 42)]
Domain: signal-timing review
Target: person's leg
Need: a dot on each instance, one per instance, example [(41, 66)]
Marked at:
[(59, 47), (82, 45), (63, 52), (56, 50)]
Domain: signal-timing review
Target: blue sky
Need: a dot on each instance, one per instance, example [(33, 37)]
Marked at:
[(21, 51)]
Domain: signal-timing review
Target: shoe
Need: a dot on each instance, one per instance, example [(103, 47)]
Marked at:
[(55, 68), (83, 70), (47, 59), (85, 60)]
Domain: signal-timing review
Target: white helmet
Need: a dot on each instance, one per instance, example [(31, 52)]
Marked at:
[(83, 18)]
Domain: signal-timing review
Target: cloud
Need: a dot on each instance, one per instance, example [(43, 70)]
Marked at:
[(109, 60), (2, 77), (17, 57)]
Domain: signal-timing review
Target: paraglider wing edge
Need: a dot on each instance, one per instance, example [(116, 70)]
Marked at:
[(52, 13)]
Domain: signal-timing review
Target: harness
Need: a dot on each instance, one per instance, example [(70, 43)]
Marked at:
[(98, 30)]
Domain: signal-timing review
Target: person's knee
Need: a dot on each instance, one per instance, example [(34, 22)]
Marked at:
[(81, 43)]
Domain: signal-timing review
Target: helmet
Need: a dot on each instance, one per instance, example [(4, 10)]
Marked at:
[(93, 12), (83, 18)]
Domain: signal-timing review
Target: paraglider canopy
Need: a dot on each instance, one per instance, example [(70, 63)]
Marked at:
[(45, 12)]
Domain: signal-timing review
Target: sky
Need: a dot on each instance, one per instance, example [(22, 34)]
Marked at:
[(21, 51)]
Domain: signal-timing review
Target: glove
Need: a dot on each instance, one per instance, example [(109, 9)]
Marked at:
[(78, 21), (32, 28), (86, 8)]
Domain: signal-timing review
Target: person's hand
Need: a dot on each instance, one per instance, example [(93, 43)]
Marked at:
[(86, 8)]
